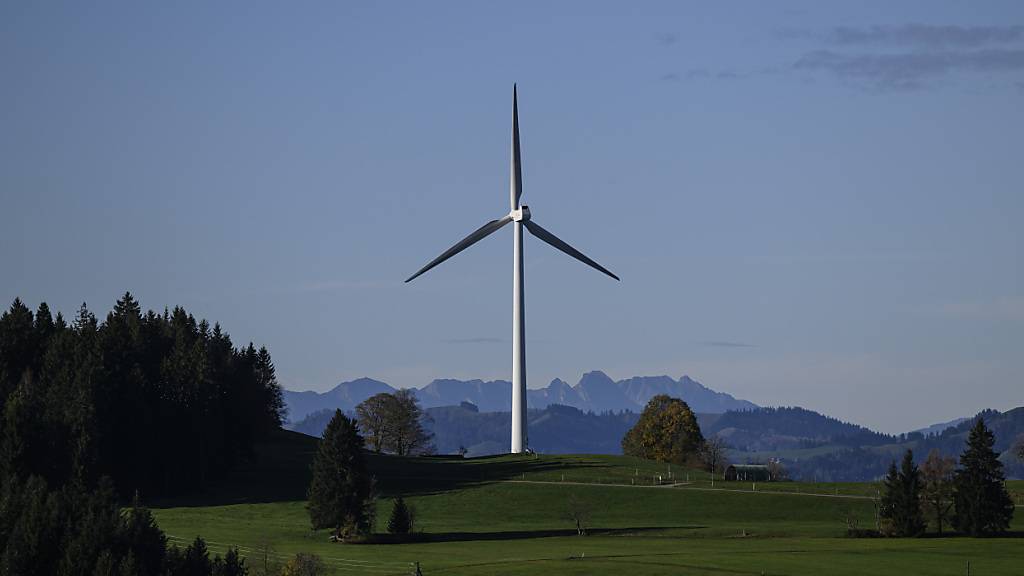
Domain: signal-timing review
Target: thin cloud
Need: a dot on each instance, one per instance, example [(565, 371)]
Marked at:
[(337, 285), (912, 56), (721, 74), (909, 71), (726, 344), (667, 39), (1006, 309), (477, 340), (926, 36)]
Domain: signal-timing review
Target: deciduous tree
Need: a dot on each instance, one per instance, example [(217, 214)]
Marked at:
[(937, 487), (405, 434), (373, 415), (714, 455), (578, 511), (304, 564), (667, 431)]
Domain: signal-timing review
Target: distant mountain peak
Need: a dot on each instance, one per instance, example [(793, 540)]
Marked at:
[(595, 392), (685, 379), (595, 376)]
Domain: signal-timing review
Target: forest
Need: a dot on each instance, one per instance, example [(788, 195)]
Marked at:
[(95, 413)]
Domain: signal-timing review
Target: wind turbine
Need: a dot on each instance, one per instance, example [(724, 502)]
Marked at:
[(520, 216)]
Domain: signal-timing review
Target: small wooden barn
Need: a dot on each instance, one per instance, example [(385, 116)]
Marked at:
[(748, 472)]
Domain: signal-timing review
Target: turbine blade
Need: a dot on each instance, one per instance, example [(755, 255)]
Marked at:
[(517, 170), (550, 238), (466, 242)]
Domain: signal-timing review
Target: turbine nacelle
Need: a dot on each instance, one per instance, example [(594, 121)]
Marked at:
[(520, 215)]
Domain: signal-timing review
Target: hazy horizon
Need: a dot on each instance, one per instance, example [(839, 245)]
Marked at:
[(808, 205)]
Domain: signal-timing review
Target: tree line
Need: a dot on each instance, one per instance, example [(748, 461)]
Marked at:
[(972, 498), (93, 412)]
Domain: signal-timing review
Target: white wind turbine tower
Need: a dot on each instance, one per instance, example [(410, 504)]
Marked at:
[(520, 215)]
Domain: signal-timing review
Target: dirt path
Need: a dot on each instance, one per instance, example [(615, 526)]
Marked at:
[(690, 486)]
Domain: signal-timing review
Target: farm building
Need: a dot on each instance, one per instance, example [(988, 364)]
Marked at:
[(748, 472)]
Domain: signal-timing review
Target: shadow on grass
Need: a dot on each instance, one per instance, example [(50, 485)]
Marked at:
[(945, 535), (411, 476), (280, 471)]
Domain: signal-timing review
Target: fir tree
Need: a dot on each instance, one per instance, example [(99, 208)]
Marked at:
[(144, 539), (980, 500), (231, 565), (273, 397), (340, 494), (18, 345), (901, 503), (196, 561), (400, 521)]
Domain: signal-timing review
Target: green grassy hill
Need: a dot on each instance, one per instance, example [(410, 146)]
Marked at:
[(507, 515)]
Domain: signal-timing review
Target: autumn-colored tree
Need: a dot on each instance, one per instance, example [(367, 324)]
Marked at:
[(937, 489), (304, 564), (667, 431)]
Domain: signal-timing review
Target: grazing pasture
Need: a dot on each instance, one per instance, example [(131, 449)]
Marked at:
[(509, 515)]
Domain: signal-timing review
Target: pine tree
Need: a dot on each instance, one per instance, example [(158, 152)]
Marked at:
[(400, 521), (273, 397), (231, 565), (196, 561), (889, 498), (911, 520), (18, 346), (144, 539), (340, 494), (901, 503), (981, 502)]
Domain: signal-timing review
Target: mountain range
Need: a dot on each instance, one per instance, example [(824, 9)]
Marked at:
[(811, 446), (595, 392)]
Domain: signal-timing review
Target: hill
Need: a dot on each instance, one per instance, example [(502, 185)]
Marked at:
[(508, 515), (787, 428), (812, 446), (595, 392), (554, 430), (830, 450)]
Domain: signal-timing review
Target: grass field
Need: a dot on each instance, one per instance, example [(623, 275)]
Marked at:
[(506, 515)]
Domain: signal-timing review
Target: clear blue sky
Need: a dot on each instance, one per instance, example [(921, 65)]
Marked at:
[(808, 205)]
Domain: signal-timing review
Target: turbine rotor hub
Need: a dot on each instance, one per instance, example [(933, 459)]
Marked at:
[(520, 215)]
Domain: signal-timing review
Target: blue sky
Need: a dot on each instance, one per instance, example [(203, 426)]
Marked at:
[(809, 204)]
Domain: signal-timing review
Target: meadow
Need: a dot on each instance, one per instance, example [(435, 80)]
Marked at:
[(508, 515)]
